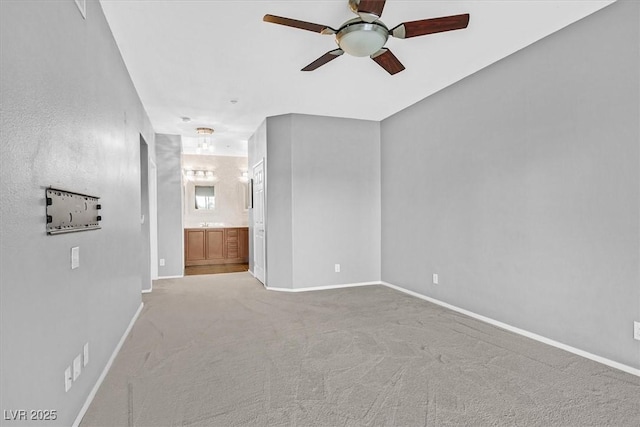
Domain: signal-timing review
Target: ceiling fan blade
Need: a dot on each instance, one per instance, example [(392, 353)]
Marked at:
[(303, 25), (370, 10), (430, 26), (388, 61), (329, 56)]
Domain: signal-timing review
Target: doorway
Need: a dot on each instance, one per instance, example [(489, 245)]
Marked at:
[(145, 229), (259, 238)]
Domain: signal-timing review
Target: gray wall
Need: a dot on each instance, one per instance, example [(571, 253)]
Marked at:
[(323, 205), (519, 186), (170, 230), (278, 209), (336, 200), (71, 118)]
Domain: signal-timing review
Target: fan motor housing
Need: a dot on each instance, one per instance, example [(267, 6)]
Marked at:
[(359, 38)]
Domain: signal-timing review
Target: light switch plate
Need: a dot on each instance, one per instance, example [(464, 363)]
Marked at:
[(85, 355), (77, 366), (435, 278), (337, 268), (636, 330), (75, 257), (161, 262), (68, 379)]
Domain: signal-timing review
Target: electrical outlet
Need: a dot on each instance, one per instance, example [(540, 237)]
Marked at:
[(636, 330), (77, 366), (435, 278), (337, 268), (161, 262), (85, 355), (75, 257), (68, 379)]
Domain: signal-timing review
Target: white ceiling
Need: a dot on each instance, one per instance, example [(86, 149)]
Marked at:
[(191, 58)]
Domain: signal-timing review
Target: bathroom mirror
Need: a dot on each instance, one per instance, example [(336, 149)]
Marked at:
[(205, 197), (243, 195)]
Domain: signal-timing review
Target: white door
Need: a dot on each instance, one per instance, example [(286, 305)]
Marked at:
[(258, 222)]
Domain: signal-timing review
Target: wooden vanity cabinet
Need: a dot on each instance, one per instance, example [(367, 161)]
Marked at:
[(206, 246), (243, 243), (214, 244)]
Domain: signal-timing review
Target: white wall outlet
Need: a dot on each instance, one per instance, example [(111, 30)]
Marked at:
[(435, 278), (337, 268), (161, 262), (68, 379), (75, 257), (77, 366), (636, 330), (85, 355)]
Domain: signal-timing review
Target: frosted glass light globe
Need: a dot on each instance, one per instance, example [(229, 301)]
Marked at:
[(362, 38)]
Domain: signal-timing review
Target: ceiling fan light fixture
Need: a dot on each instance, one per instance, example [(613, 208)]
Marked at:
[(362, 38)]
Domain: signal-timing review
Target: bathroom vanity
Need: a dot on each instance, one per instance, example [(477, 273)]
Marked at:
[(219, 245)]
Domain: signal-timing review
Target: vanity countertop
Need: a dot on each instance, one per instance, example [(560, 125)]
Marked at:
[(214, 226)]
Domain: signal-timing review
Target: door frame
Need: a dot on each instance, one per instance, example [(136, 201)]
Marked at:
[(264, 220), (153, 219)]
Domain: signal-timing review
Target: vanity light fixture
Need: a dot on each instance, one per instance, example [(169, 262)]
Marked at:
[(198, 174)]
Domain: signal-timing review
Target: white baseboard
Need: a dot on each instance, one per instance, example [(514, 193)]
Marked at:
[(322, 288), (95, 388), (540, 338), (171, 277)]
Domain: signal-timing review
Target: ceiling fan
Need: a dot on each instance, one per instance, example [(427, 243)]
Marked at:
[(366, 34)]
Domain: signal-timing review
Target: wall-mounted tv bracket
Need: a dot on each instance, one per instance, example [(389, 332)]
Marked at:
[(68, 212)]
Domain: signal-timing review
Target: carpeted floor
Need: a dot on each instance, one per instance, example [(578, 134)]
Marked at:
[(221, 350)]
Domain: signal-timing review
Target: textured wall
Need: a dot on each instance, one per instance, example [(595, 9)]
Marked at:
[(229, 191), (170, 231), (278, 203), (336, 200), (71, 118), (520, 186), (323, 205)]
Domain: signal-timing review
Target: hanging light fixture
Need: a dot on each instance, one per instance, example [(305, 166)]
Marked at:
[(204, 139)]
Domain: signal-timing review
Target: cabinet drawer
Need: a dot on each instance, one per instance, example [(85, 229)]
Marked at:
[(232, 234)]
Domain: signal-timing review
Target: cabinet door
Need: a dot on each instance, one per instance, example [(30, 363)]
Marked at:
[(194, 245), (243, 242), (215, 244)]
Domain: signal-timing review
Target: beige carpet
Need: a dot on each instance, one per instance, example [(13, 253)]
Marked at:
[(221, 350)]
